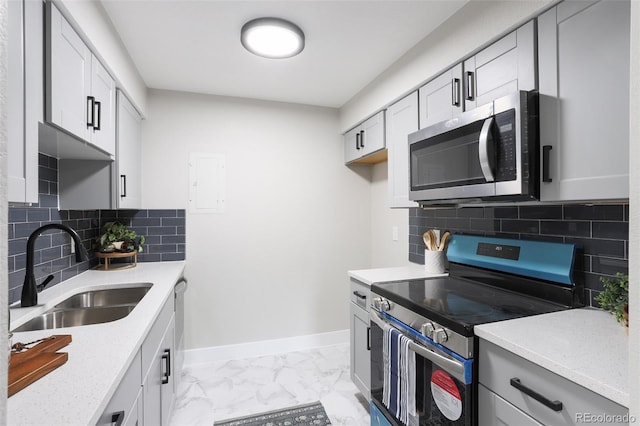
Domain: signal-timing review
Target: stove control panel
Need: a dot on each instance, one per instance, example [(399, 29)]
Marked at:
[(382, 304), (434, 332)]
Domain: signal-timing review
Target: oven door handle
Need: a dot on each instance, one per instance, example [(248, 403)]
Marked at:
[(452, 366)]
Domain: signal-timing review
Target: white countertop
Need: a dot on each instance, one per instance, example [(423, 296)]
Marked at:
[(77, 392), (586, 346), (399, 273)]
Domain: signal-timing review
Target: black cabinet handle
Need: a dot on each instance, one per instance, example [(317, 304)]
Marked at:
[(554, 405), (123, 186), (98, 115), (455, 92), (361, 138), (360, 295), (470, 86), (117, 418), (368, 338), (358, 141), (546, 150), (91, 112), (166, 356)]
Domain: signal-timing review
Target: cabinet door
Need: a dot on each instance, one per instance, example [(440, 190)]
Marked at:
[(372, 134), (495, 411), (103, 89), (158, 389), (128, 155), (584, 101), (504, 67), (24, 98), (360, 350), (69, 76), (124, 403), (352, 145), (401, 119), (441, 98)]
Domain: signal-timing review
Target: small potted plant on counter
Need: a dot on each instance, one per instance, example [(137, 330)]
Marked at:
[(116, 236), (615, 297)]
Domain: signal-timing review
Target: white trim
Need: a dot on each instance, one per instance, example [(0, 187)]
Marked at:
[(265, 347)]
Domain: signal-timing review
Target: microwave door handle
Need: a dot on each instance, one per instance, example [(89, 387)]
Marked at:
[(485, 149)]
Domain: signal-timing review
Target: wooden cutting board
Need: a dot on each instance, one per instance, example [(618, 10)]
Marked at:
[(28, 366)]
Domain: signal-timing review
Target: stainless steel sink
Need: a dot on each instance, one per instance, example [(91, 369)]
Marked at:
[(76, 317), (90, 307), (106, 297)]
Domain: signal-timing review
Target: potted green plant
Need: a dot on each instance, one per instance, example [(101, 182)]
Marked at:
[(116, 236), (615, 297)]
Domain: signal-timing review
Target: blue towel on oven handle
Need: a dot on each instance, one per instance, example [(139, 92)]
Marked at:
[(399, 388)]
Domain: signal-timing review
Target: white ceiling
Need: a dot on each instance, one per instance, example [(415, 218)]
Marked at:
[(194, 45)]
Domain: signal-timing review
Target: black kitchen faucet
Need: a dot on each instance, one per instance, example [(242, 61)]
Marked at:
[(30, 289)]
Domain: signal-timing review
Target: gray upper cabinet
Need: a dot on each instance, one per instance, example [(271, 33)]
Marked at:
[(24, 98), (364, 140), (441, 98), (80, 92), (401, 119), (506, 66), (128, 155), (583, 50)]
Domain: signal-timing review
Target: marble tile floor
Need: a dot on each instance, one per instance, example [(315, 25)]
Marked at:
[(225, 389)]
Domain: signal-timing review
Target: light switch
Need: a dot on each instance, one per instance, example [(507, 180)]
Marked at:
[(394, 233)]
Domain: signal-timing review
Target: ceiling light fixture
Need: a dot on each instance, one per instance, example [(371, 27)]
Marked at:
[(272, 38)]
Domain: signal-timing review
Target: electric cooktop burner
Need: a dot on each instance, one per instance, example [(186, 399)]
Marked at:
[(460, 304)]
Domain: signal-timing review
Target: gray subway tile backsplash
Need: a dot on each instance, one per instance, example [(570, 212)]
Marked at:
[(600, 233), (164, 231)]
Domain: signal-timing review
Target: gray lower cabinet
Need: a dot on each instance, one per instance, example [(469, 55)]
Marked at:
[(360, 337), (583, 53), (146, 394), (516, 392), (401, 120)]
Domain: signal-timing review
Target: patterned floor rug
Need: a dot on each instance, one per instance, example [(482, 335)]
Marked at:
[(301, 415)]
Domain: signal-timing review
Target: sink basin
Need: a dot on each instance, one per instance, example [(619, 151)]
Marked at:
[(90, 307), (76, 317), (106, 297)]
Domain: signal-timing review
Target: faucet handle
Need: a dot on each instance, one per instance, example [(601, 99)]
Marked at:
[(46, 281)]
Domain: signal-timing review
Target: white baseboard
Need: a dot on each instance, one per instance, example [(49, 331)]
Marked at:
[(265, 347)]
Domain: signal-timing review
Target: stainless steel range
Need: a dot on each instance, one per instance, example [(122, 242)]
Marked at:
[(424, 352)]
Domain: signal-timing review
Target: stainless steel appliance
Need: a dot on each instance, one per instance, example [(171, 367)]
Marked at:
[(488, 153), (491, 279)]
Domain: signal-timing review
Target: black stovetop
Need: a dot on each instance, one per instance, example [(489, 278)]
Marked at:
[(460, 304)]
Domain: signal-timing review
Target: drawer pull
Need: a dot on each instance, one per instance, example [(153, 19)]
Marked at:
[(360, 295), (554, 405)]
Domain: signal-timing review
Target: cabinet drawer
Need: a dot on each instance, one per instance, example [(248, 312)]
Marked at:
[(360, 294), (497, 368), (154, 338)]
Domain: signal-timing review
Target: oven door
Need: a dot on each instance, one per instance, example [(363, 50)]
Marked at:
[(444, 385)]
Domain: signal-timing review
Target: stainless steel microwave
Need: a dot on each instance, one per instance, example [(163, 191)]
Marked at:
[(487, 154)]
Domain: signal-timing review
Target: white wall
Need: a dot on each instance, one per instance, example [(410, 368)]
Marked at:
[(4, 279), (274, 264), (473, 26), (634, 222), (385, 252)]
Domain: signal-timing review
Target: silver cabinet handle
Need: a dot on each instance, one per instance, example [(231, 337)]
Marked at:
[(485, 149)]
